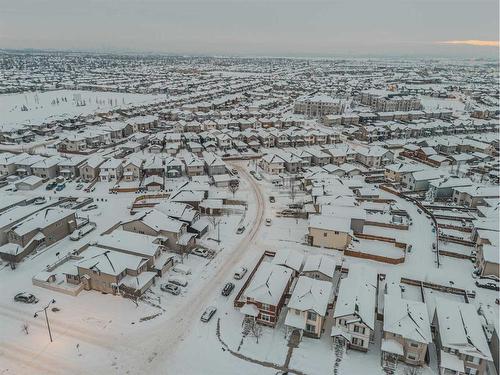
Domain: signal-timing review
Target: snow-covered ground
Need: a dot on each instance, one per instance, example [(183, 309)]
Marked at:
[(41, 106)]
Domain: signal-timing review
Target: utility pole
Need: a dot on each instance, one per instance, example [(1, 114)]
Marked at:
[(46, 317)]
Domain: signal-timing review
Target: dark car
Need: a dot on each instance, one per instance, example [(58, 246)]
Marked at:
[(51, 186), (272, 199), (228, 288), (240, 230), (25, 298), (488, 285)]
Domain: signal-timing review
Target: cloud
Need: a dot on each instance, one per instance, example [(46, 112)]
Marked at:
[(473, 42)]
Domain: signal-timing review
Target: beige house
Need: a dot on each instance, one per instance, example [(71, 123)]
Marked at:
[(488, 257), (330, 232), (406, 331), (172, 233), (113, 272), (308, 306), (42, 228), (272, 164), (132, 169), (90, 169), (354, 311)]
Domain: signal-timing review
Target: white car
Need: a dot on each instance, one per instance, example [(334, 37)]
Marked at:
[(208, 313), (268, 222), (178, 280), (240, 273), (200, 252)]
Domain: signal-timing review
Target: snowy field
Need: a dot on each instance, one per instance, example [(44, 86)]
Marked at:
[(40, 106)]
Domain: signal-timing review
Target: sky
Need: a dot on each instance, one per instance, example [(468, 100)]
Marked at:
[(468, 28)]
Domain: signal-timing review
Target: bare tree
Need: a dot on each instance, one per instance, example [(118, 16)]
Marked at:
[(233, 187), (255, 331), (26, 328)]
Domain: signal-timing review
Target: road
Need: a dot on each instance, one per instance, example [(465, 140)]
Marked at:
[(179, 326)]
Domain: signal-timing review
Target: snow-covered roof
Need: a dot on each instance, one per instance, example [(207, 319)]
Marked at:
[(339, 224), (460, 328), (311, 294), (41, 219), (269, 283), (320, 263), (129, 242), (406, 318), (357, 294), (289, 258)]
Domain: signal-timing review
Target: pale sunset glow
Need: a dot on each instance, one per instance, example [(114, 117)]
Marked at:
[(473, 42)]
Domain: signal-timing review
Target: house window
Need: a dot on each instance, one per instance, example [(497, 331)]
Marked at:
[(265, 317), (411, 357), (470, 371), (311, 315), (324, 234), (414, 345), (310, 328), (357, 342), (359, 329), (336, 232)]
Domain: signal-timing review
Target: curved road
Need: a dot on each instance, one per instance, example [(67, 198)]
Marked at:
[(180, 324)]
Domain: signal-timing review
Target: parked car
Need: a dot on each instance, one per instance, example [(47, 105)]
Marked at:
[(51, 185), (59, 187), (240, 273), (268, 222), (90, 207), (272, 199), (240, 230), (178, 280), (234, 171), (182, 269), (208, 313), (258, 177), (25, 298), (487, 285), (228, 288), (419, 210), (171, 288), (79, 187), (200, 252)]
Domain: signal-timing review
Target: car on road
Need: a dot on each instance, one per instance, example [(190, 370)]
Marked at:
[(40, 200), (228, 288), (240, 230), (268, 222), (200, 252), (419, 210), (59, 187), (487, 285), (178, 280), (272, 199), (90, 207), (208, 313), (51, 185), (171, 288), (234, 171), (79, 187), (240, 273), (25, 298), (258, 177)]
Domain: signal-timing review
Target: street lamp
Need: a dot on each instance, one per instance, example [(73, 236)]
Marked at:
[(46, 317)]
